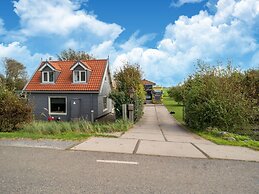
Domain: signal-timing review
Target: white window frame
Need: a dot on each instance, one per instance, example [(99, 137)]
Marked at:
[(49, 105), (105, 109), (42, 77), (80, 78)]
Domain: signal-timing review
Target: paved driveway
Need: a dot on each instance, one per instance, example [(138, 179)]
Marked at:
[(157, 133), (158, 125)]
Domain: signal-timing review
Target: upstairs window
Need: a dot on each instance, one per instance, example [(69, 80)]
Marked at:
[(79, 76), (47, 77)]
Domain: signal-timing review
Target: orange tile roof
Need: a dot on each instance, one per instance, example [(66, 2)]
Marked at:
[(64, 80), (147, 82), (55, 65)]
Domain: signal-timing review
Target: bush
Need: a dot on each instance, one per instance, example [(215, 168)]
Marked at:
[(129, 90), (13, 111), (176, 93), (216, 97)]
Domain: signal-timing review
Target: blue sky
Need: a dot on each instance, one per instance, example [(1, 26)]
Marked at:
[(165, 38)]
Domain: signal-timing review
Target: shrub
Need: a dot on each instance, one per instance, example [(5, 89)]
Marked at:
[(176, 93), (129, 89), (13, 111), (216, 97)]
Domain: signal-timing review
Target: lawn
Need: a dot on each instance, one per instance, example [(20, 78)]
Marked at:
[(214, 135), (171, 105), (76, 130)]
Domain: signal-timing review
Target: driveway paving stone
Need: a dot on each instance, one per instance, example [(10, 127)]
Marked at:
[(115, 145), (169, 149), (229, 152)]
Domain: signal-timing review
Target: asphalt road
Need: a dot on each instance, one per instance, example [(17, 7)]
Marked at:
[(38, 170)]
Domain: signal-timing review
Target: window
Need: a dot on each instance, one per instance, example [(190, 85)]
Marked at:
[(79, 76), (47, 77), (58, 105), (105, 103)]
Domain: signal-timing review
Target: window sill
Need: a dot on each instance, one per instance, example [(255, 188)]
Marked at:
[(56, 113)]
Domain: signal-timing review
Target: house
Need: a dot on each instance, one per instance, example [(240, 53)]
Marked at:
[(70, 89), (148, 86)]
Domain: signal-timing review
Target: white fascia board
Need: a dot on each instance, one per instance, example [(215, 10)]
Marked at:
[(49, 65), (104, 74), (81, 64)]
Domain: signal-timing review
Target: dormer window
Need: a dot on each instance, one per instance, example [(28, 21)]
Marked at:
[(49, 72), (80, 72), (79, 76), (47, 77)]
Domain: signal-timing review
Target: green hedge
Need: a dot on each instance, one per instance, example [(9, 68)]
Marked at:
[(217, 97)]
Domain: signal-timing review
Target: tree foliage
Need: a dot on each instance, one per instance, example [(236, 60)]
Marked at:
[(176, 93), (129, 89), (220, 97), (13, 111), (71, 54), (15, 76)]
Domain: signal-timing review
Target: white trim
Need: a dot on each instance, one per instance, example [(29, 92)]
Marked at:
[(42, 77), (47, 64), (104, 75), (81, 64), (49, 97), (80, 78)]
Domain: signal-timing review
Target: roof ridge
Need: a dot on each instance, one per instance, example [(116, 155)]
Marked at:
[(77, 60)]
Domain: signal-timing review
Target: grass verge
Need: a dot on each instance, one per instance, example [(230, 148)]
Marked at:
[(171, 105), (227, 139), (77, 130)]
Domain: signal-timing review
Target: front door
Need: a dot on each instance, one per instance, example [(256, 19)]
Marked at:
[(75, 108)]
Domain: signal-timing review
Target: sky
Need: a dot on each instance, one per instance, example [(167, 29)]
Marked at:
[(165, 37)]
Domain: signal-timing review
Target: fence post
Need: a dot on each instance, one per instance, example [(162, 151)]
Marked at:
[(124, 112), (131, 112)]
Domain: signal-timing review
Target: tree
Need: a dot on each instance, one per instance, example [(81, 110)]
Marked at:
[(71, 54), (176, 93), (129, 89), (15, 74)]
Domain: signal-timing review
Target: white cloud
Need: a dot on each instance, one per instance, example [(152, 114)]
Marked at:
[(229, 34), (103, 50), (61, 17), (135, 41), (179, 3), (21, 53)]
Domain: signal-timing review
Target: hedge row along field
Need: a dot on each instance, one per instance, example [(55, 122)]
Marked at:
[(220, 97)]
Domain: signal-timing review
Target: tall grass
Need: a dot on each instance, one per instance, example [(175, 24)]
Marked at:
[(81, 126)]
